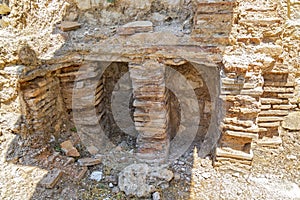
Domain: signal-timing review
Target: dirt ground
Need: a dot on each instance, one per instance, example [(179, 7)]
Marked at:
[(275, 174)]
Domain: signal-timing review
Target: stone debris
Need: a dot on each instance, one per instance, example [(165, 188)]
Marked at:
[(115, 189), (81, 174), (89, 161), (161, 173), (51, 178), (96, 175), (135, 27), (92, 150), (156, 196), (112, 179), (141, 179), (69, 161), (52, 158), (180, 163), (68, 148), (69, 26), (176, 176)]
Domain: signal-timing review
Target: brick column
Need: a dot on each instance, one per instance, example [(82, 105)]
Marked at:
[(88, 105), (151, 110)]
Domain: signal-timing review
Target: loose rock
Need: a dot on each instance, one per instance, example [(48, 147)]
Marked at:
[(156, 196), (89, 161), (140, 179), (52, 178), (81, 174), (69, 149), (96, 175), (69, 26), (92, 150)]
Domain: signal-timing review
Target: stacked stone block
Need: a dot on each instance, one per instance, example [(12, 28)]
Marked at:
[(243, 81), (66, 77), (87, 97), (43, 106), (240, 101), (151, 114), (275, 103), (212, 22), (259, 21)]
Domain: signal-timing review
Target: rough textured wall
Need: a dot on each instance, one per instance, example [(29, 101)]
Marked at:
[(258, 84), (162, 12)]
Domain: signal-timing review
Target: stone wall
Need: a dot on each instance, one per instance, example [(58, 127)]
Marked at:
[(258, 85), (42, 106)]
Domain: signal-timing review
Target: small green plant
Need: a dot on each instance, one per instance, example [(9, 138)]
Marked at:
[(111, 1), (73, 129), (57, 148)]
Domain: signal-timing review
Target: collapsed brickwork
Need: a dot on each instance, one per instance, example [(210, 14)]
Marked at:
[(259, 80), (246, 54)]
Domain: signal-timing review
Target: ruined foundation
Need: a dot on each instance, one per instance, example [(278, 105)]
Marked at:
[(241, 58)]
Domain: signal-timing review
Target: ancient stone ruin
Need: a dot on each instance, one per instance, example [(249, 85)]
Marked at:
[(73, 63)]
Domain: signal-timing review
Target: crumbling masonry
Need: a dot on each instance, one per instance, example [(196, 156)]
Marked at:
[(241, 57)]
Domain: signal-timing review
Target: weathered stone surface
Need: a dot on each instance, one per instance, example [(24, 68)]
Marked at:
[(51, 178), (97, 175), (268, 125), (69, 149), (83, 4), (231, 153), (220, 13), (278, 89), (69, 26), (269, 119), (81, 173), (135, 27), (135, 179), (284, 107), (89, 161), (4, 9), (292, 121), (148, 78), (270, 101), (92, 150), (156, 196), (270, 142), (242, 134), (27, 55), (274, 112)]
